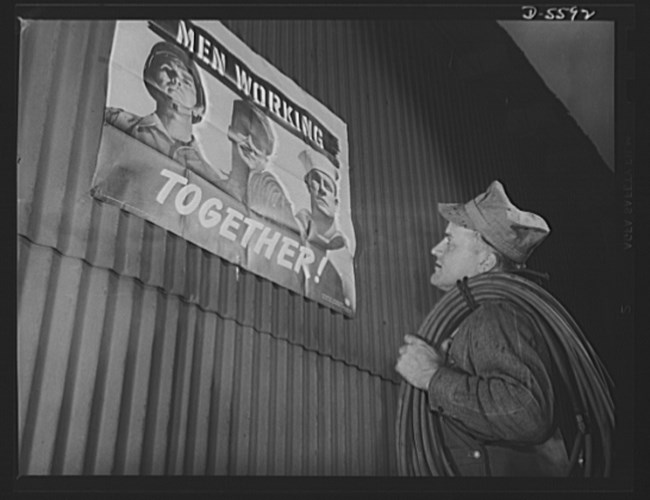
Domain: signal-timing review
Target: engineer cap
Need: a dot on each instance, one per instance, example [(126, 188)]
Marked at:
[(314, 161), (513, 232)]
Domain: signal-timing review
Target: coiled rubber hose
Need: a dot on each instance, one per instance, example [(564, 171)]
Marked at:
[(584, 378)]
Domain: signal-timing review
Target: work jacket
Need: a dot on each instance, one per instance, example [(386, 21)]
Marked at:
[(494, 398)]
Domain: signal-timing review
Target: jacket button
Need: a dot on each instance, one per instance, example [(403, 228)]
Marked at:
[(476, 454)]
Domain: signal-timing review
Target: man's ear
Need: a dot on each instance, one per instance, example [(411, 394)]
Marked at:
[(488, 262)]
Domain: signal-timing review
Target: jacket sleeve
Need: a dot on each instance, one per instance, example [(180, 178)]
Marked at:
[(505, 392), (121, 119)]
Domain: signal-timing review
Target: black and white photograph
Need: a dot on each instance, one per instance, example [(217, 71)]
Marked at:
[(383, 249)]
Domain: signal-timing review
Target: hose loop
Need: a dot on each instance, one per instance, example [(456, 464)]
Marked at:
[(533, 274), (578, 368)]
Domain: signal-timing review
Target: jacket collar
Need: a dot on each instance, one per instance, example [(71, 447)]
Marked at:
[(153, 121)]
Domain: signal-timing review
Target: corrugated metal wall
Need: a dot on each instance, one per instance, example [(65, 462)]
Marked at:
[(121, 377), (141, 353)]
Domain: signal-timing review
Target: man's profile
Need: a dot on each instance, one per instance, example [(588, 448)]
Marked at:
[(319, 229), (319, 225), (509, 381)]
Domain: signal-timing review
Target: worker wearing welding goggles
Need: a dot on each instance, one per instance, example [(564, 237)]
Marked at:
[(251, 180), (491, 385)]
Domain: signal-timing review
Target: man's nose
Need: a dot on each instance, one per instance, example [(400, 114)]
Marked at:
[(436, 251)]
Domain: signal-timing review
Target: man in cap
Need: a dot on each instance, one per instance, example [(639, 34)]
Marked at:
[(490, 382), (320, 224), (250, 181), (172, 79), (319, 229)]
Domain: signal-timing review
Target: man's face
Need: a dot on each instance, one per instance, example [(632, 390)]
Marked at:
[(322, 190), (174, 79), (249, 151), (458, 255), (253, 144)]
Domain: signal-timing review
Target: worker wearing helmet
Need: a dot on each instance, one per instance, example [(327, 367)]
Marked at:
[(492, 384), (172, 79)]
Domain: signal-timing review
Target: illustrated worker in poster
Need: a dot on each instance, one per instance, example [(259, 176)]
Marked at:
[(319, 228), (320, 225), (250, 181), (173, 80), (509, 384)]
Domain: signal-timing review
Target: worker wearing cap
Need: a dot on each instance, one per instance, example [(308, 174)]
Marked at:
[(490, 383), (173, 81), (320, 224), (319, 230)]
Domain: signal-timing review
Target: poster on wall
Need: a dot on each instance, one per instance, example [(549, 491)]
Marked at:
[(208, 140)]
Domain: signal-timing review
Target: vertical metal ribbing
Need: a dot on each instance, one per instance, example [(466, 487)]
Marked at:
[(280, 453), (35, 87), (33, 347), (221, 413), (76, 208), (192, 453), (242, 393), (155, 439), (203, 400), (429, 162), (127, 418), (369, 219), (49, 184), (91, 458), (33, 310), (68, 441), (261, 405)]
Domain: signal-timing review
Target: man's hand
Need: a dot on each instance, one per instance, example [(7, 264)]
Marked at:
[(417, 362)]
